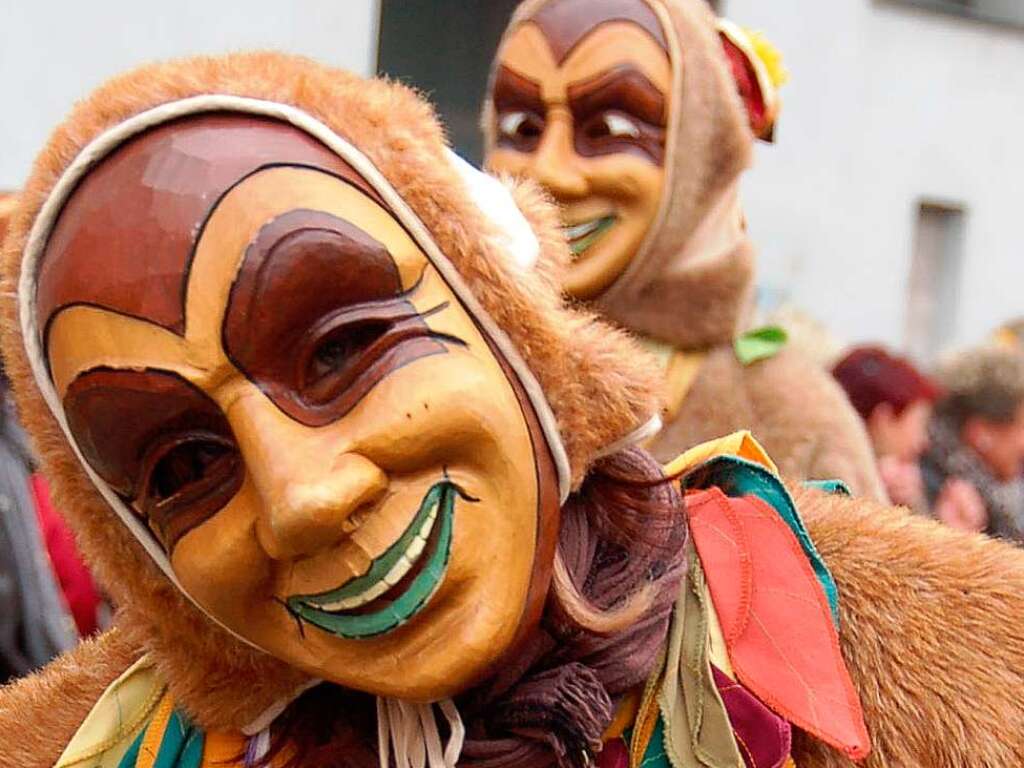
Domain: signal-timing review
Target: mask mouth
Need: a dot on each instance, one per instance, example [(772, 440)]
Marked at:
[(583, 235), (399, 583)]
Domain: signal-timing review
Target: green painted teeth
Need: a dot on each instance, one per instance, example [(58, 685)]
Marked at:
[(440, 499), (578, 246)]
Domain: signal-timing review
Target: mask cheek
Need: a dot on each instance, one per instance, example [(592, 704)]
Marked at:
[(220, 563), (452, 416)]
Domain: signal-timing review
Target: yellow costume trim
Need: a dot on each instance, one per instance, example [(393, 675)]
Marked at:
[(222, 750), (679, 377), (150, 748), (770, 56), (625, 716), (741, 444), (646, 717), (680, 368), (116, 720)]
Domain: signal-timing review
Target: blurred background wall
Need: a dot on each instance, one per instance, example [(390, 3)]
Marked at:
[(888, 208), (890, 205), (52, 53)]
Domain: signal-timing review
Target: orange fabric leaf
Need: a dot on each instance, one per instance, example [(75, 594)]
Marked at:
[(775, 617)]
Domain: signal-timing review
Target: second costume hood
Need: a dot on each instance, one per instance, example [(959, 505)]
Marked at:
[(691, 282)]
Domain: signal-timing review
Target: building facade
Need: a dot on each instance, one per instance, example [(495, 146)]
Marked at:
[(887, 208)]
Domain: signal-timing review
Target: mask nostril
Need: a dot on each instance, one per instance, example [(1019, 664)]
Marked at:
[(357, 518)]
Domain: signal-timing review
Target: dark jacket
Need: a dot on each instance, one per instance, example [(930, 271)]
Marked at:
[(35, 624)]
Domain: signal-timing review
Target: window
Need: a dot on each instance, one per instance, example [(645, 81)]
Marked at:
[(934, 287), (444, 48), (995, 11)]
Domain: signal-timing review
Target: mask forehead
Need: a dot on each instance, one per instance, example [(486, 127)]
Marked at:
[(566, 22), (126, 238)]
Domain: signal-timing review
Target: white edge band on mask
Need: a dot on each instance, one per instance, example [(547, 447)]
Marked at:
[(114, 137)]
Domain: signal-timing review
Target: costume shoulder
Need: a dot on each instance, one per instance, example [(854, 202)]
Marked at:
[(39, 714), (807, 423), (931, 631), (794, 408)]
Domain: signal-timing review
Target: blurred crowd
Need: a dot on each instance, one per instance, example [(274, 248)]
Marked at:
[(950, 441)]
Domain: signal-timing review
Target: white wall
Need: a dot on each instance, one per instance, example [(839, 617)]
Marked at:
[(53, 53), (888, 105)]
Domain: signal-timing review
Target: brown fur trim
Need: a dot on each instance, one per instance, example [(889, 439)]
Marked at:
[(8, 202), (931, 631), (41, 712), (795, 409), (595, 381)]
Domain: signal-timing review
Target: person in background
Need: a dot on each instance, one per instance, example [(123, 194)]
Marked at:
[(35, 622), (976, 436), (895, 400)]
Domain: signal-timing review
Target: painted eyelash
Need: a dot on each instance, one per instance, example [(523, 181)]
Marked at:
[(443, 338)]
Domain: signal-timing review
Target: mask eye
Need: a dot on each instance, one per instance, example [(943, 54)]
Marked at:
[(523, 129), (612, 125), (190, 478), (189, 464), (337, 351)]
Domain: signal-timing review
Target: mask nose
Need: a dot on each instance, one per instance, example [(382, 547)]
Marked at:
[(303, 517), (555, 161), (309, 486)]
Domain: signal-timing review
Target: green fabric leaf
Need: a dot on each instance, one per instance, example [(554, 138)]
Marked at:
[(760, 344)]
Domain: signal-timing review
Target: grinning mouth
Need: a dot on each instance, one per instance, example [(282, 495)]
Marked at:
[(399, 583), (583, 235)]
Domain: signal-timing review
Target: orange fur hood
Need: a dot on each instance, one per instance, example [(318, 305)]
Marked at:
[(597, 384)]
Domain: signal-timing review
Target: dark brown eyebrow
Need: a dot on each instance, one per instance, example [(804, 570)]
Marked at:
[(126, 237), (513, 91), (566, 22), (115, 414), (309, 276), (623, 87)]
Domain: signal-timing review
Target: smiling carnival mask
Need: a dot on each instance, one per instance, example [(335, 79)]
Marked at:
[(634, 116), (581, 103), (278, 375)]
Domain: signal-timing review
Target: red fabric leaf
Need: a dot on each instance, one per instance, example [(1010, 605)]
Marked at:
[(775, 617)]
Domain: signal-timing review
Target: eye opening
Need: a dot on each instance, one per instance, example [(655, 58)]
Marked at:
[(338, 350), (190, 465), (612, 125), (520, 125)]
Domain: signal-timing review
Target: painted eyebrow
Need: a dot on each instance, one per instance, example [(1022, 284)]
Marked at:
[(514, 90), (622, 85)]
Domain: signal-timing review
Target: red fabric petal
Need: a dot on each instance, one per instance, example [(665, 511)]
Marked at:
[(74, 578), (614, 755), (775, 617)]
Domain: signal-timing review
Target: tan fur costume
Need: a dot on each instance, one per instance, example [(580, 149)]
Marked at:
[(693, 289), (930, 617)]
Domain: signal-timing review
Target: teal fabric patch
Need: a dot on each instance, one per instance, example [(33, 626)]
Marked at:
[(181, 746), (739, 477), (655, 755), (760, 344), (132, 755), (831, 487)]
